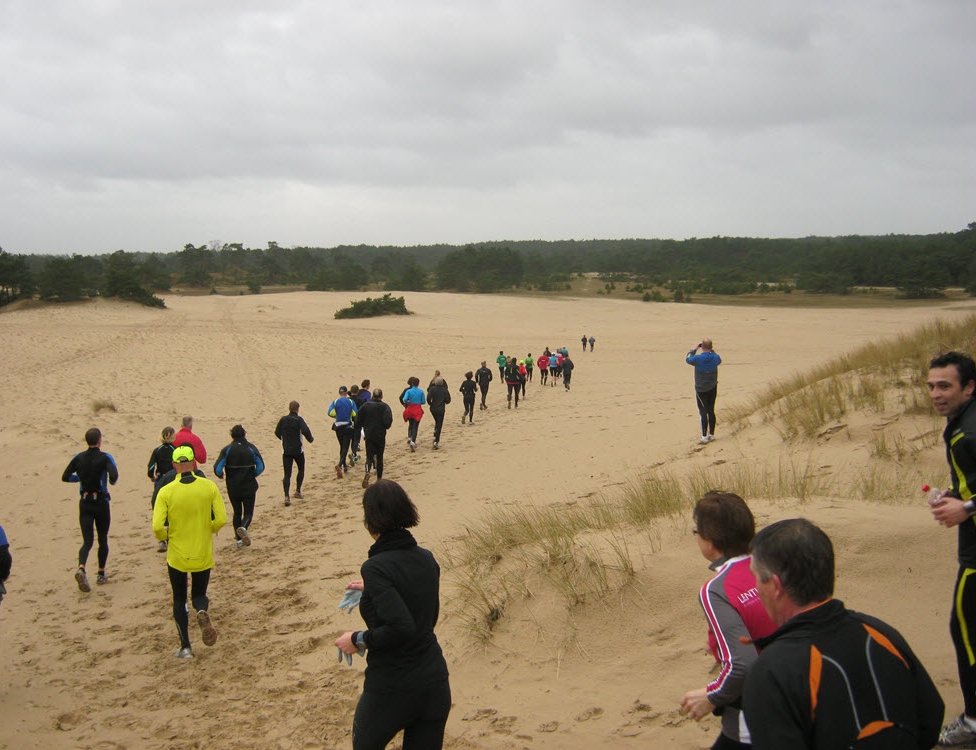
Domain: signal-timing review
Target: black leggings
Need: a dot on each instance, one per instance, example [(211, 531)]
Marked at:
[(344, 436), (412, 426), (198, 596), (706, 409), (514, 388), (421, 714), (468, 408), (286, 462), (484, 393), (243, 506), (94, 515), (438, 415), (964, 619), (374, 455)]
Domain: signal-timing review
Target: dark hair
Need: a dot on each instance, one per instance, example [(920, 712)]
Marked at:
[(413, 381), (964, 365), (364, 384), (801, 554), (468, 375), (387, 507), (378, 394), (237, 432), (724, 519), (293, 406), (92, 436)]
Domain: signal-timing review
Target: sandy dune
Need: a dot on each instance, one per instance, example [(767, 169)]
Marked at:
[(97, 671)]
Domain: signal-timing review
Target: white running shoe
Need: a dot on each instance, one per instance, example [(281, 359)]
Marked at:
[(704, 439), (243, 537), (184, 653), (957, 733)]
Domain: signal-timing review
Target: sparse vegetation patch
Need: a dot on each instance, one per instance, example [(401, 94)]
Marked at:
[(371, 308)]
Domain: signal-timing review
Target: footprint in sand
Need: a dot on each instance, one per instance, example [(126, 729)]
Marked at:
[(480, 714), (594, 712)]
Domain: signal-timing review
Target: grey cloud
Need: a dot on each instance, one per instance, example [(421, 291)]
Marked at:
[(464, 104)]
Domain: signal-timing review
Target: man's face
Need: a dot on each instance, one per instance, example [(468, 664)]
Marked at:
[(947, 395)]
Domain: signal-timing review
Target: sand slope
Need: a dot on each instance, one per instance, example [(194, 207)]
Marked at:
[(97, 671)]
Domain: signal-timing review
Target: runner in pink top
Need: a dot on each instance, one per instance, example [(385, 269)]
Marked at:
[(724, 526)]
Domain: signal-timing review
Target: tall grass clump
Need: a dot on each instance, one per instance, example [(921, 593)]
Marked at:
[(103, 404), (805, 402)]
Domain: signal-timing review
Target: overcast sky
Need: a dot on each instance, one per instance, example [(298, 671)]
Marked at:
[(145, 125)]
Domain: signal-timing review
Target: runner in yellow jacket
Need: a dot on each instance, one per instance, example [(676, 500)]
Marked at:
[(194, 510)]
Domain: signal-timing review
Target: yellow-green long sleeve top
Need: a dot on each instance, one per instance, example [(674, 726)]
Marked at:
[(194, 510)]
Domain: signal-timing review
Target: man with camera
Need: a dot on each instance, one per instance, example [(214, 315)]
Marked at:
[(706, 385)]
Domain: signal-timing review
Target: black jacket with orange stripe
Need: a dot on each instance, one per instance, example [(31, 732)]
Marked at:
[(834, 678), (960, 443)]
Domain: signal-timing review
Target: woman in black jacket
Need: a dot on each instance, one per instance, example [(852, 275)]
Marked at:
[(406, 684)]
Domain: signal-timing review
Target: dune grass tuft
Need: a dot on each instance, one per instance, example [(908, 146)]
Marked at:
[(806, 402), (101, 404)]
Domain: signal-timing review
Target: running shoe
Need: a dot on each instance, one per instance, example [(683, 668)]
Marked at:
[(413, 447), (206, 628), (239, 543), (298, 494), (957, 733), (366, 480), (243, 537), (82, 578), (338, 471), (184, 653), (436, 445), (287, 501), (162, 546), (704, 439), (101, 579)]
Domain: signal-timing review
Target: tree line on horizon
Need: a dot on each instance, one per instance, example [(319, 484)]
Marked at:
[(918, 266)]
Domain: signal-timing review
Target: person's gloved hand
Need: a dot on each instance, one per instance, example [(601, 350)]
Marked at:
[(346, 646), (340, 654), (350, 600)]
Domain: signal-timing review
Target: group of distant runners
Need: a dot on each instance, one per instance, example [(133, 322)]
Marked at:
[(187, 507)]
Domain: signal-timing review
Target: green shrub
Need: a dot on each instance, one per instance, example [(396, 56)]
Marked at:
[(371, 308)]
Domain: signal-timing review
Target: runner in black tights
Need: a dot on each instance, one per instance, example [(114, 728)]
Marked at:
[(94, 471)]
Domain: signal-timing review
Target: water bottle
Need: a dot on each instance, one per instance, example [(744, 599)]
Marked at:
[(934, 495)]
